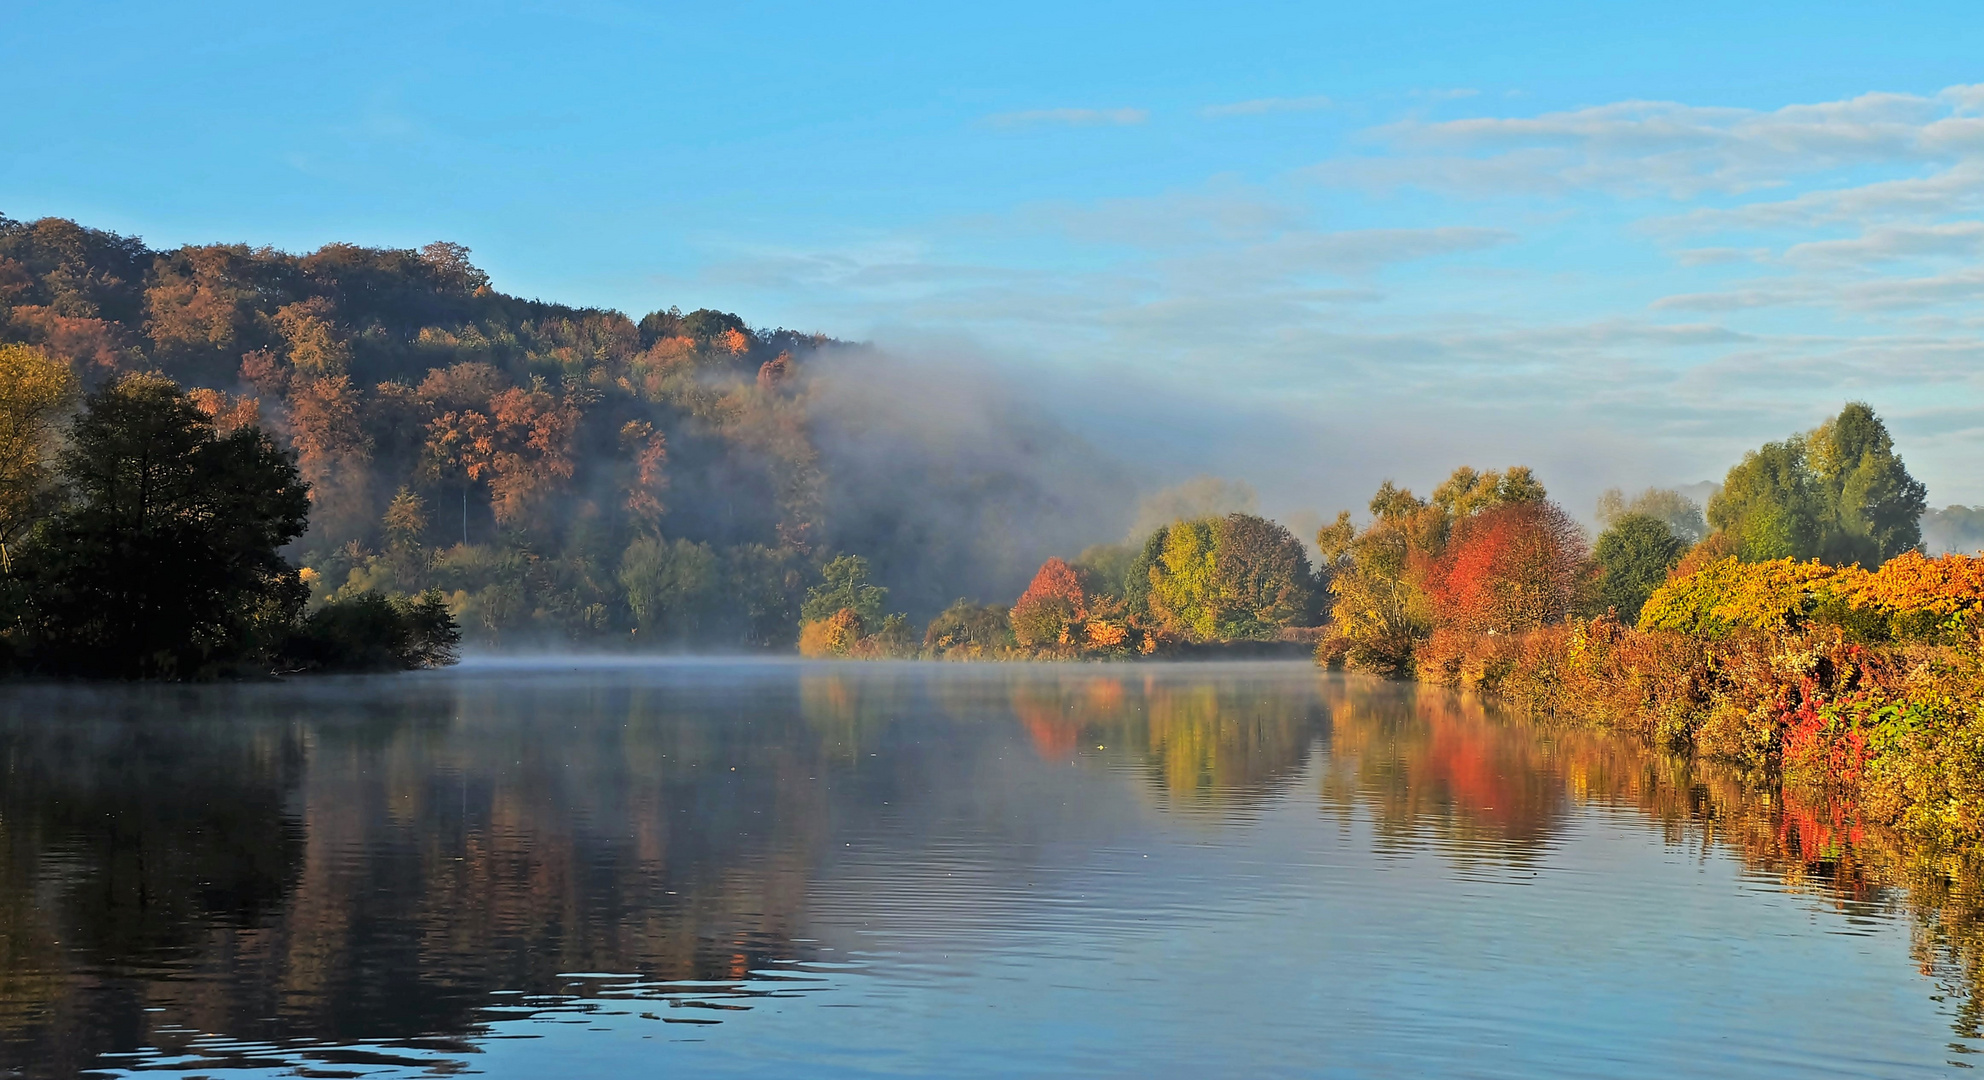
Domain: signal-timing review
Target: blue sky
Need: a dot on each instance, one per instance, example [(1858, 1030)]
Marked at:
[(1309, 245)]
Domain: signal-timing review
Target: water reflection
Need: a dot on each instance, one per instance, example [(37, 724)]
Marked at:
[(390, 874)]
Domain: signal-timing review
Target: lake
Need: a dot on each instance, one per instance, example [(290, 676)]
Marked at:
[(596, 868)]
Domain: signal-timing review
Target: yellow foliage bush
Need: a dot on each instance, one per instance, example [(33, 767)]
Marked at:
[(1908, 596), (833, 636)]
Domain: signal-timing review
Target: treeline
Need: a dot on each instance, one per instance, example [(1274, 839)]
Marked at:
[(1196, 583), (561, 473), (139, 541), (1793, 627)]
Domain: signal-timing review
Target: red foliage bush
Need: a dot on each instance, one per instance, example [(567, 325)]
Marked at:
[(1510, 569), (1049, 606)]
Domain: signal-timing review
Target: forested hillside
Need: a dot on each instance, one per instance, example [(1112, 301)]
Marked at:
[(561, 472)]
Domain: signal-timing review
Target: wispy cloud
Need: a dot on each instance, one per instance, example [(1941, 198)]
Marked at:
[(1957, 189), (1675, 149), (1780, 261), (1956, 239), (1262, 106), (1068, 118)]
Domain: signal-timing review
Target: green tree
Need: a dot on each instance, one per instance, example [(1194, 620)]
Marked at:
[(1264, 581), (372, 631), (1682, 514), (1136, 578), (671, 586), (970, 631), (1634, 556), (1103, 568), (1876, 505), (1838, 493), (165, 560), (1771, 504), (845, 588)]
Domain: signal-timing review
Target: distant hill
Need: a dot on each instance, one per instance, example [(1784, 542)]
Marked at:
[(518, 453)]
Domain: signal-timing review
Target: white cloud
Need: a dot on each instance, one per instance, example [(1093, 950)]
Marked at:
[(1068, 118), (1716, 256), (1892, 242), (1820, 252), (1678, 150), (1956, 190), (1261, 106)]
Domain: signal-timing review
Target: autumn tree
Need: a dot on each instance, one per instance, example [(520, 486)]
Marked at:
[(1379, 611), (1051, 607), (226, 410), (1509, 569), (35, 389), (203, 306), (1380, 577), (532, 449), (460, 448), (648, 451)]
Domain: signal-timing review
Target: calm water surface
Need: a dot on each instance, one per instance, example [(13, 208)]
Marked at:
[(708, 869)]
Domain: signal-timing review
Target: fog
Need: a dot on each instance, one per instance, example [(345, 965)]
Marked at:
[(950, 479), (1140, 443)]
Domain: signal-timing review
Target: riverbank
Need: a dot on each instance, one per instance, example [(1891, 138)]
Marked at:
[(1852, 686)]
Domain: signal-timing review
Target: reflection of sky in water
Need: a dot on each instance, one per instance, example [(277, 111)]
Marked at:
[(982, 871)]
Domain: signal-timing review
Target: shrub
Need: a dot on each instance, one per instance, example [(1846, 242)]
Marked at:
[(968, 631), (374, 632), (834, 635)]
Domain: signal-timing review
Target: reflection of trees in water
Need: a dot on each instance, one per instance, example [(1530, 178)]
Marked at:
[(301, 870), (676, 844), (1203, 739), (851, 711), (1430, 763), (128, 844), (369, 866)]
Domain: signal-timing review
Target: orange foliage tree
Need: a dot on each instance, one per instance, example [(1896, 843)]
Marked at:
[(1051, 606), (1509, 569), (650, 451), (533, 449)]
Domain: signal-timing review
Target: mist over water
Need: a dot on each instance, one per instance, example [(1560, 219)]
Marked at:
[(761, 868)]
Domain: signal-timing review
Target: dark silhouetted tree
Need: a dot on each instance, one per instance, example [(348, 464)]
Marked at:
[(164, 561)]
